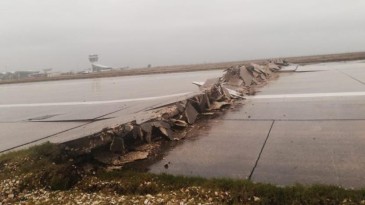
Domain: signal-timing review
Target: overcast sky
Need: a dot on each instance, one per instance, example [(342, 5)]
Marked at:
[(38, 34)]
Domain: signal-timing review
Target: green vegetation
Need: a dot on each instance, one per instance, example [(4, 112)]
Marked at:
[(46, 167), (240, 190), (42, 165)]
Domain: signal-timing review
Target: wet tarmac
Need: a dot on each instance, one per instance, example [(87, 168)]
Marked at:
[(37, 112), (306, 127)]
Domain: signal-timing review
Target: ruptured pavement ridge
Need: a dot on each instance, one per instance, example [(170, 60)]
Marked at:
[(305, 127)]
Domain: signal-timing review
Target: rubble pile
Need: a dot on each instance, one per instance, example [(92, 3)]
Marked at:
[(171, 120)]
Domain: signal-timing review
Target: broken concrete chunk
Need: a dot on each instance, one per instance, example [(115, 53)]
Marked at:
[(267, 70), (199, 102), (260, 69), (128, 127), (170, 112), (230, 73), (209, 83), (207, 101), (104, 137), (203, 102), (147, 129), (137, 132), (208, 113), (246, 76), (234, 93), (117, 145), (216, 93), (226, 93), (255, 81), (158, 124), (235, 81), (123, 132), (110, 132), (218, 105), (280, 62), (181, 106), (148, 137), (257, 69), (190, 113), (179, 123), (255, 74), (273, 67), (164, 131), (263, 77), (130, 157), (164, 128)]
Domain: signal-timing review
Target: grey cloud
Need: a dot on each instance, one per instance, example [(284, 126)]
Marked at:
[(37, 34)]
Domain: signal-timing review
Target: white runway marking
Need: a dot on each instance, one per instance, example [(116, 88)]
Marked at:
[(92, 102), (307, 95)]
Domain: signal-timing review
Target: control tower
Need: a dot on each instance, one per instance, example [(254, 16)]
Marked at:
[(93, 58)]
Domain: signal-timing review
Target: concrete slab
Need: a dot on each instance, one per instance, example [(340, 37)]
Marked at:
[(84, 112), (99, 89), (14, 134), (224, 149), (58, 113), (97, 126), (326, 152), (87, 112), (312, 82), (325, 108), (342, 65), (23, 114), (84, 129), (135, 107), (355, 73), (91, 90)]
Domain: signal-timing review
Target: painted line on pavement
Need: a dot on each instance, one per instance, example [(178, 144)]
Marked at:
[(92, 102), (306, 95)]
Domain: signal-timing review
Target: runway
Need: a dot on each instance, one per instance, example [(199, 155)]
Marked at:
[(305, 127), (32, 113)]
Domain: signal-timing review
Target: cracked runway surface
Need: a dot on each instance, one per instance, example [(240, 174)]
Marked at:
[(317, 133), (32, 113)]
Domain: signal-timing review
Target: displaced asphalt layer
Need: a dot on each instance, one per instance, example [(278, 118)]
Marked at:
[(306, 127)]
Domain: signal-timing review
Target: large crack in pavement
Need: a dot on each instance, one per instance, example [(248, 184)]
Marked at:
[(138, 139)]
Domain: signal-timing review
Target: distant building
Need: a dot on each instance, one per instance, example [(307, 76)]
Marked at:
[(93, 58), (53, 74), (99, 68), (16, 75), (95, 67)]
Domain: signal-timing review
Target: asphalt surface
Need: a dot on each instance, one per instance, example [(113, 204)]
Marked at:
[(305, 127), (57, 111)]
